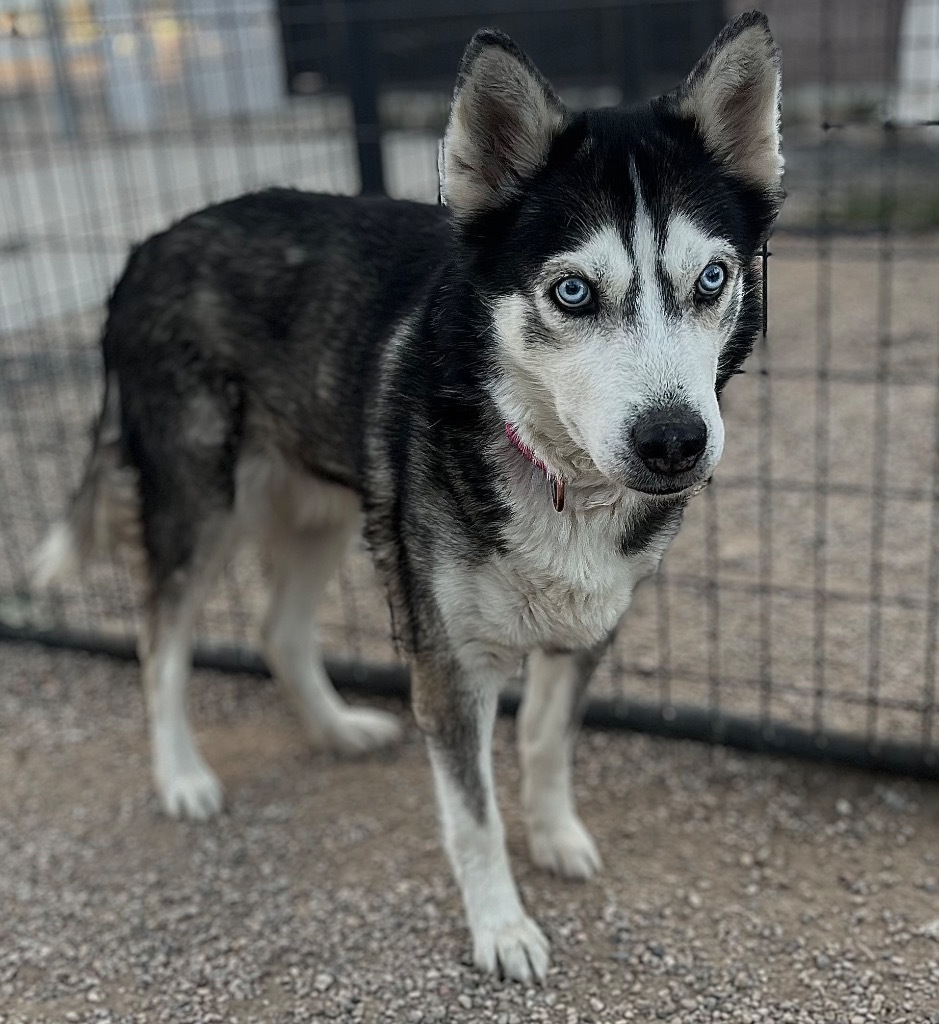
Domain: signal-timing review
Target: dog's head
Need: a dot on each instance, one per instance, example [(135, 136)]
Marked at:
[(617, 251)]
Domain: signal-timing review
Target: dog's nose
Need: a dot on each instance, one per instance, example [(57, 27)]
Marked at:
[(671, 440)]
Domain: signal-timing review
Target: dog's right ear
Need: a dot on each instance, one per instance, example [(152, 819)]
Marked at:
[(503, 118)]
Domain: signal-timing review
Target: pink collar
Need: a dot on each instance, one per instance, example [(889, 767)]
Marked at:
[(554, 479)]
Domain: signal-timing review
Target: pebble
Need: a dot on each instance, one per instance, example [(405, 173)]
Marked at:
[(344, 909)]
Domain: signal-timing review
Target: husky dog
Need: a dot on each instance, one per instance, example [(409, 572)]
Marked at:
[(515, 393)]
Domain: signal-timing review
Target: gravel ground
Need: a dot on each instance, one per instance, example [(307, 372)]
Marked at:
[(735, 888)]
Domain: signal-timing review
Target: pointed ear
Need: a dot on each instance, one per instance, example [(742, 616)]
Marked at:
[(734, 95), (503, 118)]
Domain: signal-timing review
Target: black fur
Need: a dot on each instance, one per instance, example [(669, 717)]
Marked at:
[(264, 294), (658, 520)]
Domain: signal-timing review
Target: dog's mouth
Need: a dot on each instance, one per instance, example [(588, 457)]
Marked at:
[(678, 483), (665, 495), (672, 492), (639, 481), (666, 492)]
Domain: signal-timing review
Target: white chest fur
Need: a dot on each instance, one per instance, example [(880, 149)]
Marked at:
[(562, 580)]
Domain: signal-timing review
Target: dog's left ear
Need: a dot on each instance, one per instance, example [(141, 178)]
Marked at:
[(503, 119), (733, 94)]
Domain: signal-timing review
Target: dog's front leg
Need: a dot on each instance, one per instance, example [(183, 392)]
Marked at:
[(456, 708), (547, 727)]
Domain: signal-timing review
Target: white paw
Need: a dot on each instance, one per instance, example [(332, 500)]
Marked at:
[(565, 848), (518, 951), (193, 793), (359, 731)]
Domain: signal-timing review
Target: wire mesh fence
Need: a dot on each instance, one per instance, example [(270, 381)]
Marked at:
[(798, 607)]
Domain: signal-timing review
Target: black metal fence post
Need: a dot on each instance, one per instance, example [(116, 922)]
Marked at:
[(362, 82)]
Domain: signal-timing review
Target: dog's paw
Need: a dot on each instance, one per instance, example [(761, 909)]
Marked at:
[(564, 848), (194, 793), (359, 731), (517, 951)]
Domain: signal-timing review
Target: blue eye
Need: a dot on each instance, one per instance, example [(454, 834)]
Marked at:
[(711, 280), (573, 292)]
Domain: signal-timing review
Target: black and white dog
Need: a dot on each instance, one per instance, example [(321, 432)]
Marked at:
[(516, 393)]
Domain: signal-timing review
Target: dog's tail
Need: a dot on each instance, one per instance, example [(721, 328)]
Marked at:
[(104, 511)]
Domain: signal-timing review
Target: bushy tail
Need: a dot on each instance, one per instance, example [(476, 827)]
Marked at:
[(104, 511)]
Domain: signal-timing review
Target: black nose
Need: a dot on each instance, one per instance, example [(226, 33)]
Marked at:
[(671, 440)]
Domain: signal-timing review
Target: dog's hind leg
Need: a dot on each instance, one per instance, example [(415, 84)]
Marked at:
[(183, 433), (547, 727), (303, 561), (455, 705), (186, 786)]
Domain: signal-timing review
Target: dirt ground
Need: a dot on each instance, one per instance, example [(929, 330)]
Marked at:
[(735, 888)]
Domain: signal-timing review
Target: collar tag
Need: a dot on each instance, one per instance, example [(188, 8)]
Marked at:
[(557, 493), (555, 480)]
